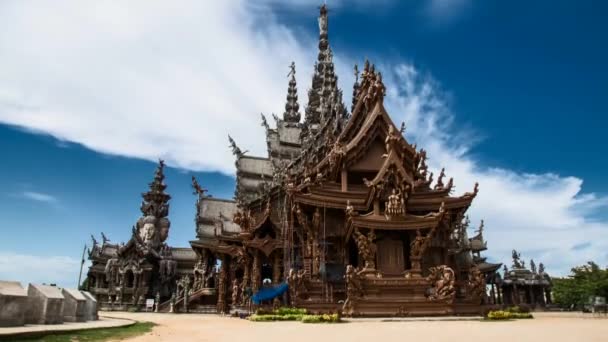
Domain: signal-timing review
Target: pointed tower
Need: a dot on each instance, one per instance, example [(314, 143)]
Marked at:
[(292, 107), (324, 96), (156, 201)]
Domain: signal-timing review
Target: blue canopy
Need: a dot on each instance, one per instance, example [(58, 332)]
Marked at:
[(268, 293)]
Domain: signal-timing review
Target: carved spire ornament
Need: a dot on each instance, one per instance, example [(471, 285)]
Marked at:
[(155, 201), (292, 107)]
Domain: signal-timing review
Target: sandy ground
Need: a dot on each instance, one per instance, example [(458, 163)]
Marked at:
[(545, 327)]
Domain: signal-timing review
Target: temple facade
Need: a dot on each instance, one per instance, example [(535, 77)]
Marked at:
[(342, 209)]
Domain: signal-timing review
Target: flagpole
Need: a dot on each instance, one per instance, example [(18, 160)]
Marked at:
[(81, 265)]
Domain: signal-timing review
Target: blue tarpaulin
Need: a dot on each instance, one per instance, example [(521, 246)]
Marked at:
[(268, 293)]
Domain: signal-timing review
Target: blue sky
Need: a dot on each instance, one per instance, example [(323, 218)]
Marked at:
[(507, 93)]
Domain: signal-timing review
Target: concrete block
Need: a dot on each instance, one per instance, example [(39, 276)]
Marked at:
[(13, 304), (45, 305), (91, 311), (74, 305)]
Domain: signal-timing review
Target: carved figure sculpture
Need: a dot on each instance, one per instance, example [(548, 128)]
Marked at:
[(395, 205), (516, 259), (235, 292), (417, 246), (367, 248), (295, 281), (354, 291), (244, 219), (390, 140), (477, 284), (442, 278)]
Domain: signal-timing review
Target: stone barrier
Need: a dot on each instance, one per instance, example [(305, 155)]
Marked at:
[(45, 305), (74, 305), (91, 306), (13, 304)]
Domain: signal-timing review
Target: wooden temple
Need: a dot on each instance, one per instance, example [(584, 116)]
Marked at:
[(122, 276), (343, 208)]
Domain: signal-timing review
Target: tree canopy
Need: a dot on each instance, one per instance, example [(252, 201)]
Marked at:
[(583, 283)]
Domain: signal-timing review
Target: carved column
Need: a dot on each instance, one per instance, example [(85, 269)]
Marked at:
[(255, 279), (221, 286), (276, 274), (344, 180)]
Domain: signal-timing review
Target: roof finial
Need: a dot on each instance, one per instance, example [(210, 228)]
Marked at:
[(265, 122), (235, 149), (356, 87), (292, 107)]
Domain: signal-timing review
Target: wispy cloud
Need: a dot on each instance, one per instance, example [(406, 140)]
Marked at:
[(38, 196), (157, 79), (60, 270)]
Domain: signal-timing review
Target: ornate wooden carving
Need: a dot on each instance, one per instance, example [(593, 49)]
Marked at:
[(442, 277), (295, 281), (367, 248), (476, 284), (354, 291)]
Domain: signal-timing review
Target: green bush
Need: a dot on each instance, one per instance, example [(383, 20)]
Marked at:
[(270, 318), (290, 311), (508, 314), (325, 318), (293, 314)]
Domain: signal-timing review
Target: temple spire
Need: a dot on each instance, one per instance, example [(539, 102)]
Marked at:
[(155, 201), (292, 107), (324, 90)]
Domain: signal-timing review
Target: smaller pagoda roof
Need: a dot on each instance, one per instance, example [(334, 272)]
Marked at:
[(487, 267)]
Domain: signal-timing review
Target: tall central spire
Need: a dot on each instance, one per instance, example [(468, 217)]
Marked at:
[(324, 80)]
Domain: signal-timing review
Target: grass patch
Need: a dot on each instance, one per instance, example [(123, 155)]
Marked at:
[(94, 335)]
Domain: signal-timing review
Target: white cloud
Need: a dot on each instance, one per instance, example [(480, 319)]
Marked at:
[(542, 215), (38, 196), (60, 270), (163, 79)]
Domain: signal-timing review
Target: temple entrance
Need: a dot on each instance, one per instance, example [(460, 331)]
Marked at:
[(390, 256), (266, 272), (130, 279)]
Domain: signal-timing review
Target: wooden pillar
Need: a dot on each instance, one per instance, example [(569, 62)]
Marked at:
[(344, 180), (376, 207), (221, 286), (276, 268), (255, 279)]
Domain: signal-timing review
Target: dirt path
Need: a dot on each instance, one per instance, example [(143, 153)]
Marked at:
[(545, 327)]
